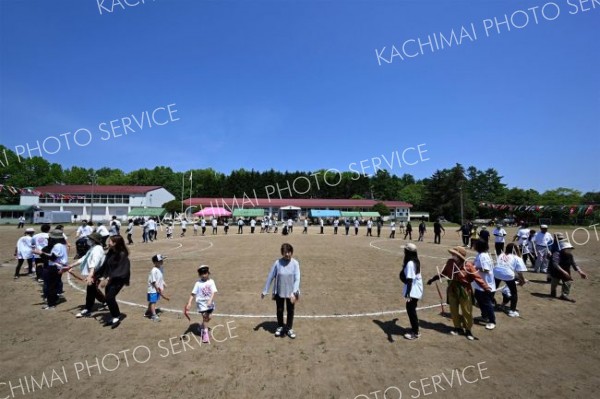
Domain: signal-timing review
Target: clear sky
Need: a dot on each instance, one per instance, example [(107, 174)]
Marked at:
[(298, 85)]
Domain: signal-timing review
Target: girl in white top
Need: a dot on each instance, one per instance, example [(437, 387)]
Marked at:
[(413, 287), (510, 268), (485, 266), (204, 293)]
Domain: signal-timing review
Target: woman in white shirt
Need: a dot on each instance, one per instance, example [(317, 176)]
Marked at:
[(413, 287), (510, 268), (485, 266)]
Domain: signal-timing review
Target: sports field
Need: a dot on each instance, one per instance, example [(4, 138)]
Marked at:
[(350, 322)]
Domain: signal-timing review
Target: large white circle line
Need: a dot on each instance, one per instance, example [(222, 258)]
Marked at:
[(256, 316)]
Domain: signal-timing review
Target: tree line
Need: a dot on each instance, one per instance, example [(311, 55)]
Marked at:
[(440, 194)]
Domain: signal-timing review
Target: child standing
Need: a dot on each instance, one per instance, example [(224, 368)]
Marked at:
[(169, 231), (204, 293), (156, 286)]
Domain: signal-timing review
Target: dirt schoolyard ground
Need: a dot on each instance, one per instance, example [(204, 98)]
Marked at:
[(350, 322)]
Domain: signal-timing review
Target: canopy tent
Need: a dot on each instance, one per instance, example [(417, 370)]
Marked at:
[(213, 211), (248, 213), (350, 214), (370, 214), (290, 208), (148, 212), (324, 213)]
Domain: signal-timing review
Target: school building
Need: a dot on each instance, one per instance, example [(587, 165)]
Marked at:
[(300, 208), (97, 202)]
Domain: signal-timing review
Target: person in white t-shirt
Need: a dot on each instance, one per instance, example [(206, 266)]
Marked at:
[(184, 223), (214, 223), (240, 224), (156, 286), (321, 225), (410, 275), (103, 231), (370, 227), (509, 268), (336, 224), (305, 226), (204, 294), (499, 238), (542, 241), (290, 225), (392, 229), (84, 230), (485, 266), (24, 252)]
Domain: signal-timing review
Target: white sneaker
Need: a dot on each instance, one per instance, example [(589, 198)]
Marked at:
[(278, 331), (490, 326), (513, 313), (83, 313)]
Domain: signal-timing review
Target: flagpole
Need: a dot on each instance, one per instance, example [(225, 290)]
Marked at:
[(182, 189), (191, 182)]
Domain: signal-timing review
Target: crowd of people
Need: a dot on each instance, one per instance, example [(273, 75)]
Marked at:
[(103, 265)]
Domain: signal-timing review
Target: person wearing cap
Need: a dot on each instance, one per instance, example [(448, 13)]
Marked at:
[(410, 275), (460, 274), (542, 241), (114, 275), (560, 272), (156, 286), (89, 264), (485, 298), (24, 252), (499, 238), (55, 257), (203, 293), (285, 275)]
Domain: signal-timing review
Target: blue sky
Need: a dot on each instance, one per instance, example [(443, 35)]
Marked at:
[(296, 85)]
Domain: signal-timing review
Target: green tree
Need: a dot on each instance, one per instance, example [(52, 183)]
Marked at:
[(381, 208)]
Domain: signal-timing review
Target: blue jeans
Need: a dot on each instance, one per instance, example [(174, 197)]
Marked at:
[(484, 299)]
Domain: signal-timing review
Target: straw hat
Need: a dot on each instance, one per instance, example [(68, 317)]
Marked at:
[(410, 247), (459, 251)]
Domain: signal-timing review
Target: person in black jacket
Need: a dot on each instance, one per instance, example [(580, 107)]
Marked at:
[(115, 273)]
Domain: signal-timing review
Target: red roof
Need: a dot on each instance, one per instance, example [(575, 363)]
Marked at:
[(252, 202), (87, 189)]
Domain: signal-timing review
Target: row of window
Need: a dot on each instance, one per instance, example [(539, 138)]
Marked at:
[(87, 199)]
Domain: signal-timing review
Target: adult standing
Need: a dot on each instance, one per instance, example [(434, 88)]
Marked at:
[(460, 273), (184, 224), (485, 295), (402, 227), (55, 257), (240, 224), (305, 225), (103, 231), (410, 275), (21, 222), (130, 232), (465, 231), (509, 268), (408, 231), (321, 225), (347, 225), (285, 275), (379, 226), (542, 241), (393, 229), (290, 225), (226, 226), (370, 227), (89, 265), (214, 224), (252, 225), (151, 229), (499, 238), (40, 240), (356, 224), (336, 224), (24, 252), (422, 230), (115, 274), (437, 232)]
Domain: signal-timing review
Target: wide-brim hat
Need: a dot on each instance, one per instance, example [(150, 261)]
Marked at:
[(410, 247), (29, 230), (96, 237), (459, 251), (543, 226)]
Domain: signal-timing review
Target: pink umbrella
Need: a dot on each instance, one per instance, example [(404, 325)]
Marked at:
[(213, 211)]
